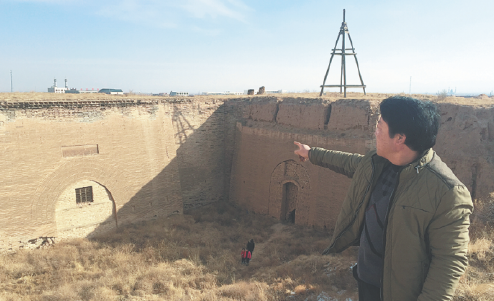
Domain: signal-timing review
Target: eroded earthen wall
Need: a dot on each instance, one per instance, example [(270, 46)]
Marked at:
[(147, 159), (204, 135), (264, 161), (47, 148), (143, 160), (466, 143)]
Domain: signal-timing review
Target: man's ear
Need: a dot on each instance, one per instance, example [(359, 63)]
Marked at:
[(400, 138)]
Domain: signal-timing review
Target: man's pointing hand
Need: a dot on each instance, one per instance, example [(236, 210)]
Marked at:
[(302, 151)]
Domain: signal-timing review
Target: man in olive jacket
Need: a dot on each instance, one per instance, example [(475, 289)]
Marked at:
[(405, 208)]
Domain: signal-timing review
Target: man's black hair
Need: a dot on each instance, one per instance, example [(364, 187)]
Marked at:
[(417, 120)]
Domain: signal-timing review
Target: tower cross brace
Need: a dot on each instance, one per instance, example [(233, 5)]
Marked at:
[(343, 83)]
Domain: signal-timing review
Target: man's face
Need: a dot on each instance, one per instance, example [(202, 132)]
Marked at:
[(384, 144)]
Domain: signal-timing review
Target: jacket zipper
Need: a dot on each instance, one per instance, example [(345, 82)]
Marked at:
[(357, 210)]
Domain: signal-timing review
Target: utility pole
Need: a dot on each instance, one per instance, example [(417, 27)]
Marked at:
[(410, 89), (11, 85)]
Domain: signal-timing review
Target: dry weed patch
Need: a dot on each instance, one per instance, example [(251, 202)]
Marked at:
[(478, 281), (196, 256)]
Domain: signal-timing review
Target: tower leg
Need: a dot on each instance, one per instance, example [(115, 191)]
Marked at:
[(330, 60)]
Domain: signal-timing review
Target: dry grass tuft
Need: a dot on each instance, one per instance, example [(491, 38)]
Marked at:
[(197, 257), (480, 248), (477, 282)]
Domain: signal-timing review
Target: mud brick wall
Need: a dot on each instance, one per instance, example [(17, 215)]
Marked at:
[(466, 143), (147, 159), (126, 148), (142, 160), (200, 130), (264, 165), (266, 176)]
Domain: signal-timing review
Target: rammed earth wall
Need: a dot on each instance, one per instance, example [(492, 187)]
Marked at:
[(146, 159)]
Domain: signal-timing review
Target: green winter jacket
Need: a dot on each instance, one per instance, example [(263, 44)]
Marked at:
[(426, 230)]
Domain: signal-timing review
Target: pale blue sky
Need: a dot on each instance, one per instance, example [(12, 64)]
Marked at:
[(234, 45)]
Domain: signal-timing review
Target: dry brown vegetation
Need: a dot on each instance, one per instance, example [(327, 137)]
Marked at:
[(478, 282), (196, 256)]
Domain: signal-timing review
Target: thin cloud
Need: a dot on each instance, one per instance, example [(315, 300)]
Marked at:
[(155, 13), (170, 13), (233, 9), (160, 13), (60, 2), (207, 32)]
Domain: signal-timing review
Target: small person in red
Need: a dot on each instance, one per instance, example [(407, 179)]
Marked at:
[(244, 254), (248, 257)]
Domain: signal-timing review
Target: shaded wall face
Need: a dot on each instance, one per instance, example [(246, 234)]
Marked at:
[(264, 160), (257, 178), (200, 129), (264, 146)]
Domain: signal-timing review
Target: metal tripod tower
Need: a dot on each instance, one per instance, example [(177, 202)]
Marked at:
[(343, 52)]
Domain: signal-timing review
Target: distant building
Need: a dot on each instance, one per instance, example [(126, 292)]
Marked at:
[(55, 89), (73, 91), (252, 91), (275, 92), (173, 93), (232, 93), (111, 91), (222, 93), (89, 91)]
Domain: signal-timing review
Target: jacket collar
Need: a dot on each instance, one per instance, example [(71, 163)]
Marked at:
[(418, 164), (421, 162)]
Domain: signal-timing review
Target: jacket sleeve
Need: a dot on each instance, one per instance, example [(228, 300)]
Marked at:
[(340, 162), (448, 243)]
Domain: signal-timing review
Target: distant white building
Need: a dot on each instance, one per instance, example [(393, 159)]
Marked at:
[(89, 91), (55, 89), (269, 91), (174, 93), (222, 93), (233, 93), (275, 91)]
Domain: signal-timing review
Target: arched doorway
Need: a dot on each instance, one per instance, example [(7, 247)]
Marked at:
[(289, 190), (84, 208), (289, 202)]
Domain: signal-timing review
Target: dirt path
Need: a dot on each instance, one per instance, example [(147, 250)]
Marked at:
[(279, 231)]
